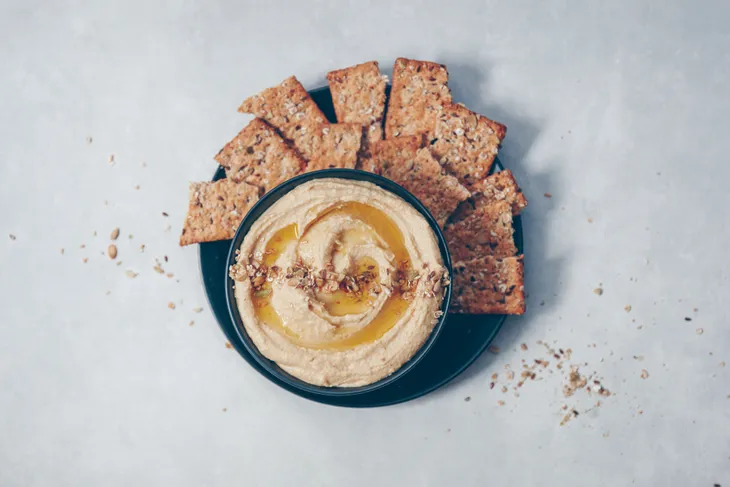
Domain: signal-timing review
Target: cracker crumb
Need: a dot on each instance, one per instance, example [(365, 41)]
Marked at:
[(85, 260), (548, 195), (197, 310), (500, 402), (598, 291), (115, 234), (228, 345), (111, 159), (171, 305), (112, 251), (700, 331), (191, 323), (606, 434), (722, 364), (136, 187), (62, 251), (523, 346), (494, 349), (627, 308), (590, 220), (225, 409), (644, 374), (141, 248), (131, 274)]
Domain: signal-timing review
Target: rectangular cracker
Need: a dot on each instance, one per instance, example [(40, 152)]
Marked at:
[(487, 231), (358, 93), (420, 90), (335, 145), (289, 108), (260, 157), (488, 285), (421, 175), (466, 143), (216, 209)]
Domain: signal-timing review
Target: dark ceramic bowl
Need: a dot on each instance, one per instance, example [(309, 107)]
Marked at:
[(272, 197)]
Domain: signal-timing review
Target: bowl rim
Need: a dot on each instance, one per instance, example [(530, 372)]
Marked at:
[(263, 204)]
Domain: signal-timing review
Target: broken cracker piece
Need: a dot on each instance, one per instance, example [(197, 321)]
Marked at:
[(259, 156), (466, 143), (500, 186), (488, 285), (420, 91), (216, 209), (289, 108)]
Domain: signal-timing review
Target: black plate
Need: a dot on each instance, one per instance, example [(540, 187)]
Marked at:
[(461, 341)]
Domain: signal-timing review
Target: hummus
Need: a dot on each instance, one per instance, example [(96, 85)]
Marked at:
[(339, 282)]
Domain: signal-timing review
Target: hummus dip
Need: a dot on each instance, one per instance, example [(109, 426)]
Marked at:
[(339, 282)]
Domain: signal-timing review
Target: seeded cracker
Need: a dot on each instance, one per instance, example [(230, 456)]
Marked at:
[(487, 231), (420, 90), (489, 285), (420, 174), (358, 93), (215, 210), (466, 143), (393, 152), (335, 145), (499, 186), (289, 108), (260, 157)]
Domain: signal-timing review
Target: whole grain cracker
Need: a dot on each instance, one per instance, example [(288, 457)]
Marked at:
[(487, 231), (466, 143), (488, 285), (335, 145), (500, 186), (259, 156), (216, 209), (420, 90), (289, 108), (421, 175), (358, 93)]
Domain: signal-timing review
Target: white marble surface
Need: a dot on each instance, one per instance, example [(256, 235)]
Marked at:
[(619, 109)]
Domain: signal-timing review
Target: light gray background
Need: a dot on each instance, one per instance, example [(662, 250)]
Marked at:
[(619, 109)]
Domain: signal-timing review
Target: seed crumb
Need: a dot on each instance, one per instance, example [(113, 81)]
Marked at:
[(85, 260), (197, 310), (171, 305), (228, 345), (131, 274), (548, 195), (191, 323), (644, 374), (598, 291), (111, 159), (700, 331), (722, 364), (112, 251), (500, 402), (627, 308), (164, 213), (523, 346), (141, 248), (494, 349), (115, 234)]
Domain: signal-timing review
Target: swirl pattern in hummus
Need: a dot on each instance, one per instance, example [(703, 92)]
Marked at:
[(340, 335)]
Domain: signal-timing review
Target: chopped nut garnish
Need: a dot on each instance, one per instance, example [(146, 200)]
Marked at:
[(115, 234)]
